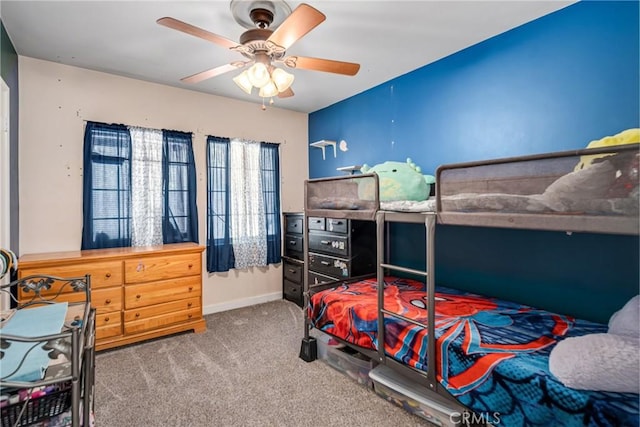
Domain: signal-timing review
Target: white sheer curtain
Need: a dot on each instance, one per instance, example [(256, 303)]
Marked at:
[(248, 228), (146, 186)]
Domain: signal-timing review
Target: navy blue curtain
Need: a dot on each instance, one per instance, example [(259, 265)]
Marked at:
[(107, 186), (220, 255), (180, 213), (270, 169)]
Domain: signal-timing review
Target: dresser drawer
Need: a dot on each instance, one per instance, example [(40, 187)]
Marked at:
[(331, 266), (159, 321), (108, 325), (337, 225), (294, 224), (292, 291), (139, 270), (103, 274), (65, 297), (158, 292), (316, 223), (317, 278), (293, 245), (329, 243), (293, 271), (106, 300), (148, 312)]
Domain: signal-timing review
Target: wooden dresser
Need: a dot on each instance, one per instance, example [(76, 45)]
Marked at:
[(139, 293)]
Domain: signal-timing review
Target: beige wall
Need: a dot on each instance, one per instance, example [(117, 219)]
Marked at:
[(55, 102)]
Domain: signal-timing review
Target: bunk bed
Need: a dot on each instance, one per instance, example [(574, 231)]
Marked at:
[(491, 355)]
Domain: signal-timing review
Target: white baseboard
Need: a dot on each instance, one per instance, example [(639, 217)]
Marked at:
[(245, 302)]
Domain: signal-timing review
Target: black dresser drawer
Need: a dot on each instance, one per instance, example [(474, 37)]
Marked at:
[(317, 278), (293, 271), (316, 223), (331, 266), (333, 244), (293, 246), (292, 291), (295, 224), (335, 225)]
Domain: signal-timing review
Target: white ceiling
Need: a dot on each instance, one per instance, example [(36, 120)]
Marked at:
[(388, 39)]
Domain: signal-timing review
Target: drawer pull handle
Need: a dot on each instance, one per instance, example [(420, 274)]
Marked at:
[(325, 242), (138, 296), (108, 301), (108, 275), (190, 266), (325, 263), (190, 316), (106, 319), (336, 222), (137, 314), (291, 270), (190, 288), (292, 242), (189, 304)]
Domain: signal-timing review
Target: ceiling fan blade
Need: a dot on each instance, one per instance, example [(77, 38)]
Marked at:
[(302, 20), (326, 65), (204, 75), (195, 31), (286, 94)]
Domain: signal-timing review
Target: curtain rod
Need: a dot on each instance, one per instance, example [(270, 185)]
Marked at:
[(192, 133), (146, 127)]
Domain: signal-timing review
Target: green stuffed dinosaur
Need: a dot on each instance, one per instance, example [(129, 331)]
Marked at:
[(401, 181)]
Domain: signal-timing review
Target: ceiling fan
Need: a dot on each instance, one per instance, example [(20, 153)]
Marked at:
[(263, 47)]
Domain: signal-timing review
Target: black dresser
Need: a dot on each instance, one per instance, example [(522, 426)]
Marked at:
[(340, 249), (293, 257)]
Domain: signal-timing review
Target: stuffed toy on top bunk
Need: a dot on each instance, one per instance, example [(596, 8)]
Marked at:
[(400, 181)]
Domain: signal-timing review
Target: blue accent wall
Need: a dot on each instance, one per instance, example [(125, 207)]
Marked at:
[(553, 84)]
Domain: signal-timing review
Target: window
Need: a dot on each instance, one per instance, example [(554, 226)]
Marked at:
[(243, 204), (118, 209)]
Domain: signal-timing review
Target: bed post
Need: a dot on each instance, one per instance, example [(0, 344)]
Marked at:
[(309, 346), (380, 240), (430, 231)]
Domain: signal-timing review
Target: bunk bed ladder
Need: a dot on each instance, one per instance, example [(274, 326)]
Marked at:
[(383, 253)]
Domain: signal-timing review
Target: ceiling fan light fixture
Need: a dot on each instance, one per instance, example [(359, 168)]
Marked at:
[(268, 90), (282, 79), (259, 75), (243, 82)]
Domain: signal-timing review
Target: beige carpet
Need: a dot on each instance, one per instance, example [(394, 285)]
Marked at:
[(243, 371)]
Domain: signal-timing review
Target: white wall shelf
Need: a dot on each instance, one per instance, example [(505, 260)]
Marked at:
[(349, 169), (323, 144)]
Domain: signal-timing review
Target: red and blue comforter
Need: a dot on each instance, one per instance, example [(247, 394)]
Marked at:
[(492, 355)]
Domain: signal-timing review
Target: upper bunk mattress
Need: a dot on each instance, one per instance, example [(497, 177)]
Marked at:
[(592, 190), (492, 355)]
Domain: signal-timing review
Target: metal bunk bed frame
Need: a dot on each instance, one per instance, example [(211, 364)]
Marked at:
[(568, 223)]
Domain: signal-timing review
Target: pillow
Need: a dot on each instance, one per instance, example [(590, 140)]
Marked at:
[(600, 362), (584, 184), (626, 321)]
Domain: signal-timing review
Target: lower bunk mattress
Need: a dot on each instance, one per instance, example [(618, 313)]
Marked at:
[(492, 355)]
